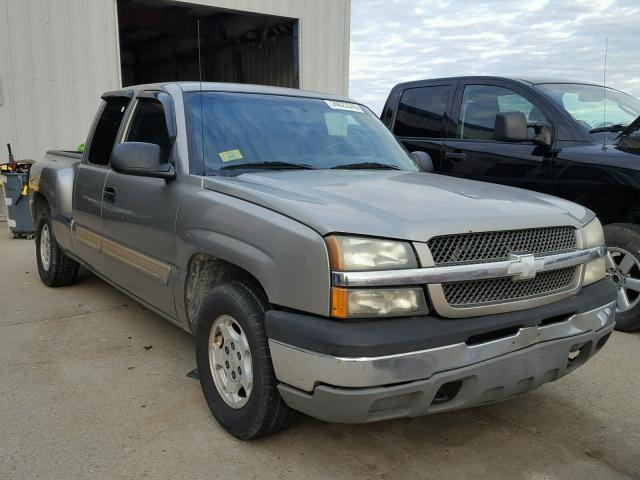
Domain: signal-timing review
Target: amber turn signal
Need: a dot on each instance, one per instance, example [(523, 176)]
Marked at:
[(338, 302)]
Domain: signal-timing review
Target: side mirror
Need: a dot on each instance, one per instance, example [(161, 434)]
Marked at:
[(511, 127), (141, 159), (543, 136), (423, 159)]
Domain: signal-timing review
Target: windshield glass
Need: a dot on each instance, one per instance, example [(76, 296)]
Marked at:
[(230, 130), (586, 104)]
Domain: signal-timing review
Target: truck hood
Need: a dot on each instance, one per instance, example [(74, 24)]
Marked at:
[(620, 157), (397, 204)]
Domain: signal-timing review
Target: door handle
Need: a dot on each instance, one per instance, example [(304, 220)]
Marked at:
[(109, 194), (455, 156)]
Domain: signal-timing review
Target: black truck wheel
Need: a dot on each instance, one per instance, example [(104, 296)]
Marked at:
[(623, 242), (234, 363), (54, 267)]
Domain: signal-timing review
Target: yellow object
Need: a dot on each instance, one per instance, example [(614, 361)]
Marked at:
[(338, 302)]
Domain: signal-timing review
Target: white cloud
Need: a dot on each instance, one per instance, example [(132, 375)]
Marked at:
[(394, 41)]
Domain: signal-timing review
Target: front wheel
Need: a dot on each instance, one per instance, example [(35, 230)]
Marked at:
[(234, 363), (623, 267)]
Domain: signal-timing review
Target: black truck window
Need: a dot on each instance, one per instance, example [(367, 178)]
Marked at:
[(106, 130), (481, 104), (148, 125), (421, 112)]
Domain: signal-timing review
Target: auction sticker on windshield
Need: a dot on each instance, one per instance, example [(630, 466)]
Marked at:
[(352, 107), (230, 155)]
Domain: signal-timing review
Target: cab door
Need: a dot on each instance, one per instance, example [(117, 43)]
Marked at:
[(91, 176), (139, 213), (471, 150), (421, 116)]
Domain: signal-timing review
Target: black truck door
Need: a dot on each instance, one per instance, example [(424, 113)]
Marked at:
[(420, 116), (471, 150)]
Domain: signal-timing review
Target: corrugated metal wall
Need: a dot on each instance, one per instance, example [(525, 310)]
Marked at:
[(58, 56)]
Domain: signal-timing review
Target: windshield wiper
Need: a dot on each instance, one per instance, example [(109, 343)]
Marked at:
[(365, 166), (618, 127), (268, 166)]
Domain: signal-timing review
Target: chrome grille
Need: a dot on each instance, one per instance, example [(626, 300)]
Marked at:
[(496, 246), (482, 292)]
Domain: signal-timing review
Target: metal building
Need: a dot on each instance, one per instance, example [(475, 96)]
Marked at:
[(58, 56)]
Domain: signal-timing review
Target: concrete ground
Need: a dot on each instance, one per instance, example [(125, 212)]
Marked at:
[(92, 385)]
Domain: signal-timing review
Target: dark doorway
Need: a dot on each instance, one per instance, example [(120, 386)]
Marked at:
[(159, 43)]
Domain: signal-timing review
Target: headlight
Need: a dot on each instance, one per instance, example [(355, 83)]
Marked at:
[(594, 270), (592, 234), (378, 302), (359, 253)]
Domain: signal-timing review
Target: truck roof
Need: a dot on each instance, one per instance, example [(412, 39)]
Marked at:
[(527, 80), (230, 87)]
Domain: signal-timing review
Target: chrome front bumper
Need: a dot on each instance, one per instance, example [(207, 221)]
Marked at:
[(361, 389)]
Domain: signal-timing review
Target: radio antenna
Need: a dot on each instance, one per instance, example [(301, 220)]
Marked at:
[(604, 95), (200, 94)]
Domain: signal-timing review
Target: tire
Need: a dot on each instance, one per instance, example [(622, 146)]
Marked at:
[(55, 269), (261, 411), (623, 241)]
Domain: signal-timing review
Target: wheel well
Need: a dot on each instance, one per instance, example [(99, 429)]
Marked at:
[(204, 272), (614, 205), (39, 203)]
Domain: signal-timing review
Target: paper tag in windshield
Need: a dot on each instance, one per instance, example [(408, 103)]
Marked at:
[(352, 107), (230, 155)]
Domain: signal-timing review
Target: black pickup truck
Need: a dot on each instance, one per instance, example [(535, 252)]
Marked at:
[(574, 140)]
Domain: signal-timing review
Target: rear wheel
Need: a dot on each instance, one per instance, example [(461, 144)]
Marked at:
[(623, 267), (234, 363), (54, 267)]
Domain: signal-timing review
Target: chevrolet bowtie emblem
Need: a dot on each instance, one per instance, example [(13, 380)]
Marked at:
[(525, 266)]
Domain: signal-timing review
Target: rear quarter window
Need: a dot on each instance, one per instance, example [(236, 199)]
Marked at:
[(106, 130), (421, 112)]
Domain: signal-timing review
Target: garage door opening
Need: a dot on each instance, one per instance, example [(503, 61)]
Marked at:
[(159, 43)]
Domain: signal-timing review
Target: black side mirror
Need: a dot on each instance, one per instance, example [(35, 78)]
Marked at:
[(423, 159), (142, 159), (543, 136), (511, 127)]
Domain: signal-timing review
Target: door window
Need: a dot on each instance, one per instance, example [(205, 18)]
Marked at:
[(106, 130), (481, 104), (421, 112), (148, 125)]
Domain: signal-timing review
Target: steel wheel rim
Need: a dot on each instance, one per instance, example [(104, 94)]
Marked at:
[(624, 270), (45, 247), (230, 361)]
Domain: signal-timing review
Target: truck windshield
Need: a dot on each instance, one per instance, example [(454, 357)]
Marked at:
[(586, 104), (237, 131)]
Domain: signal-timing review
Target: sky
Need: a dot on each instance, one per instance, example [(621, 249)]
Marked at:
[(394, 41)]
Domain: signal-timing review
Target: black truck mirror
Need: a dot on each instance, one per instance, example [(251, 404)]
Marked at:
[(543, 136), (423, 159), (141, 159), (511, 127)]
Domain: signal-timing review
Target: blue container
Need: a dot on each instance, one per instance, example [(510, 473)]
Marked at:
[(18, 213)]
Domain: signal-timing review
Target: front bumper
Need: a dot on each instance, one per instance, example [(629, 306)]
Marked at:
[(480, 369)]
